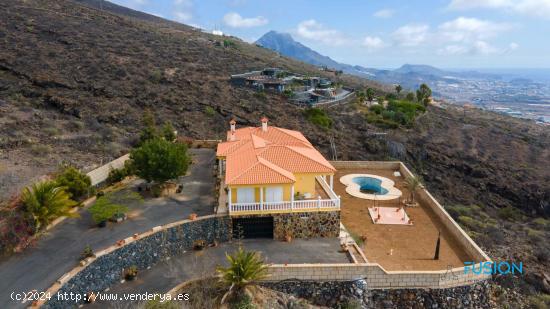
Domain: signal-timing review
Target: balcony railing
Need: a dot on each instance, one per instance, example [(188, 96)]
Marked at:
[(288, 206), (267, 207)]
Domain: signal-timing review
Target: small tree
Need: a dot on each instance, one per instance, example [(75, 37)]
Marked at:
[(410, 97), (46, 201), (412, 183), (76, 183), (245, 268), (398, 89), (159, 160), (107, 206), (370, 94), (423, 94), (168, 131), (149, 130)]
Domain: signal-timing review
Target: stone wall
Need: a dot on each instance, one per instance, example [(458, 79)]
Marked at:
[(357, 292), (306, 224), (160, 243), (375, 276)]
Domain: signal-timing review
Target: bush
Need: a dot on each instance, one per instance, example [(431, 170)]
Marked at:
[(509, 213), (78, 184), (116, 175), (168, 132), (160, 160), (105, 208), (318, 117), (87, 252), (242, 301), (210, 112), (377, 109)]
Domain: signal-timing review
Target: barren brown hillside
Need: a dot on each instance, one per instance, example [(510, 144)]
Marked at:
[(74, 82)]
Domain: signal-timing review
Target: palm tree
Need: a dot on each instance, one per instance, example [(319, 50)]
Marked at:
[(412, 183), (46, 201), (245, 268), (398, 89)]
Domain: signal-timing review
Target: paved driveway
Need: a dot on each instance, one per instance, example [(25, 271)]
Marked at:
[(196, 264), (58, 251)]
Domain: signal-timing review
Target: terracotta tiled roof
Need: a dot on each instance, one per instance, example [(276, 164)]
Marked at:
[(255, 156)]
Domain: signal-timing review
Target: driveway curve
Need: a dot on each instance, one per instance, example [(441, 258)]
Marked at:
[(58, 251)]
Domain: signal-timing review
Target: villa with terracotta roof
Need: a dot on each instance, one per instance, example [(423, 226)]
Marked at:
[(273, 176)]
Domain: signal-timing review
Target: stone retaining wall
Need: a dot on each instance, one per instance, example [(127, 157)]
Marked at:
[(306, 224), (143, 251), (358, 292), (375, 276)]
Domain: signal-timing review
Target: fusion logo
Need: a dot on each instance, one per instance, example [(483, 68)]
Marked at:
[(492, 268)]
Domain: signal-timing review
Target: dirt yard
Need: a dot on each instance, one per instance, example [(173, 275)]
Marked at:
[(413, 246)]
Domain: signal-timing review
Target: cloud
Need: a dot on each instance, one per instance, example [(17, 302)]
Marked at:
[(477, 48), (411, 34), (183, 10), (312, 30), (385, 13), (237, 21), (540, 8), (373, 43), (470, 29), (182, 16)]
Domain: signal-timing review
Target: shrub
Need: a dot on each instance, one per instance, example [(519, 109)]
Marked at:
[(87, 252), (116, 175), (46, 201), (540, 301), (534, 235), (155, 76), (377, 109), (471, 223), (288, 93), (242, 301), (318, 117), (168, 131), (160, 160), (78, 184), (509, 213), (210, 112), (105, 208), (131, 272)]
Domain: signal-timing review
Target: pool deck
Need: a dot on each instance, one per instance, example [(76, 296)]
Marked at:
[(398, 247)]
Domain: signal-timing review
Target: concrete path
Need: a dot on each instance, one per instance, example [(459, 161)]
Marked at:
[(59, 250), (197, 264)]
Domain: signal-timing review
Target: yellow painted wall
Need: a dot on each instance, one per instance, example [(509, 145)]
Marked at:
[(286, 191)]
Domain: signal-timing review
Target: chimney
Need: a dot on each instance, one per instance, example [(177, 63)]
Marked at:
[(232, 136), (264, 124), (232, 124)]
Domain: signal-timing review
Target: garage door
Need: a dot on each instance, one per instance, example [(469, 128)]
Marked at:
[(257, 227)]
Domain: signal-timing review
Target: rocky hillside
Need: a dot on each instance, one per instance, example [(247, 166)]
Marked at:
[(75, 80)]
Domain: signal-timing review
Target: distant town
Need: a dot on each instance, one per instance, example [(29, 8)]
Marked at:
[(519, 98)]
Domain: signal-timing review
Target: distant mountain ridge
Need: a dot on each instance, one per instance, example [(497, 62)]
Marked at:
[(409, 75)]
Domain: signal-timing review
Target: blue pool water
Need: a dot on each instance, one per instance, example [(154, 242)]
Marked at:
[(370, 185)]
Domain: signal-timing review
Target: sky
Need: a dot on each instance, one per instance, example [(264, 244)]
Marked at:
[(383, 34)]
